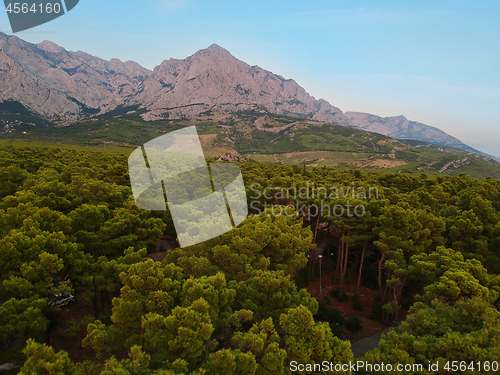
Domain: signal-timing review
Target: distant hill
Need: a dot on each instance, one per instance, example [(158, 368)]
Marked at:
[(265, 137), (400, 127)]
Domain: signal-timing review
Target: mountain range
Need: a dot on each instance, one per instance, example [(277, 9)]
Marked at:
[(399, 127), (67, 86), (63, 87)]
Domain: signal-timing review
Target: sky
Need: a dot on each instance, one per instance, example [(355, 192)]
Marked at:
[(436, 62)]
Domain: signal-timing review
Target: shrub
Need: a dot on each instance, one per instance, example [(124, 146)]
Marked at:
[(329, 314), (343, 298), (335, 293), (356, 303), (406, 303), (301, 278), (314, 277), (72, 327), (337, 330), (354, 324), (376, 312), (336, 316), (369, 277)]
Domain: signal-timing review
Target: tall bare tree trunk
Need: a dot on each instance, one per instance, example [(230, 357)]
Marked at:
[(396, 300), (344, 267), (95, 302), (337, 266), (341, 281), (310, 266), (316, 231), (327, 234), (398, 293), (380, 263), (385, 316), (361, 269)]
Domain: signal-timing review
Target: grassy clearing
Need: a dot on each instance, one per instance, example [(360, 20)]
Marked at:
[(261, 158), (101, 148)]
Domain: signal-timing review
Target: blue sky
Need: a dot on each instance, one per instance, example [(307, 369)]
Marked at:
[(436, 62)]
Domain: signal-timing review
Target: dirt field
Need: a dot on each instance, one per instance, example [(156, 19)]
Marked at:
[(379, 163), (207, 143), (382, 163)]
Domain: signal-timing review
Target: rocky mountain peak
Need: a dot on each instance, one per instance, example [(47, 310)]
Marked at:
[(3, 37), (213, 79), (128, 68), (215, 58), (51, 47), (61, 85), (400, 127), (400, 118), (215, 49)]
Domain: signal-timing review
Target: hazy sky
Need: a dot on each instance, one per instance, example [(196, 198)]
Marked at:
[(436, 62)]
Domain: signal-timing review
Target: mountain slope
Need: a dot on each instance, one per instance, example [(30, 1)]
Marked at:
[(272, 138), (400, 127), (58, 85)]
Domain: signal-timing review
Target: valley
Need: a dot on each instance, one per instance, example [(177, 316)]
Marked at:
[(265, 137)]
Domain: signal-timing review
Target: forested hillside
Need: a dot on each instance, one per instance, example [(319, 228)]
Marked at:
[(263, 137), (237, 304)]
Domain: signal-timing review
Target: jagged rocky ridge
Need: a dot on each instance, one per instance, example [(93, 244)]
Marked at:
[(59, 85)]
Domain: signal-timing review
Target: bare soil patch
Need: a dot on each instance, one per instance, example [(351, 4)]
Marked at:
[(379, 163), (383, 163), (209, 149)]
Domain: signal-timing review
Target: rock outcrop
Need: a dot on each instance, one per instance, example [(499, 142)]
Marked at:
[(232, 158)]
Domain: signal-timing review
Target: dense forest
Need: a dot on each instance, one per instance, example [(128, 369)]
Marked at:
[(238, 304)]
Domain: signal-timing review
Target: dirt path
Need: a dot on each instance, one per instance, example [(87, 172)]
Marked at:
[(368, 343)]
